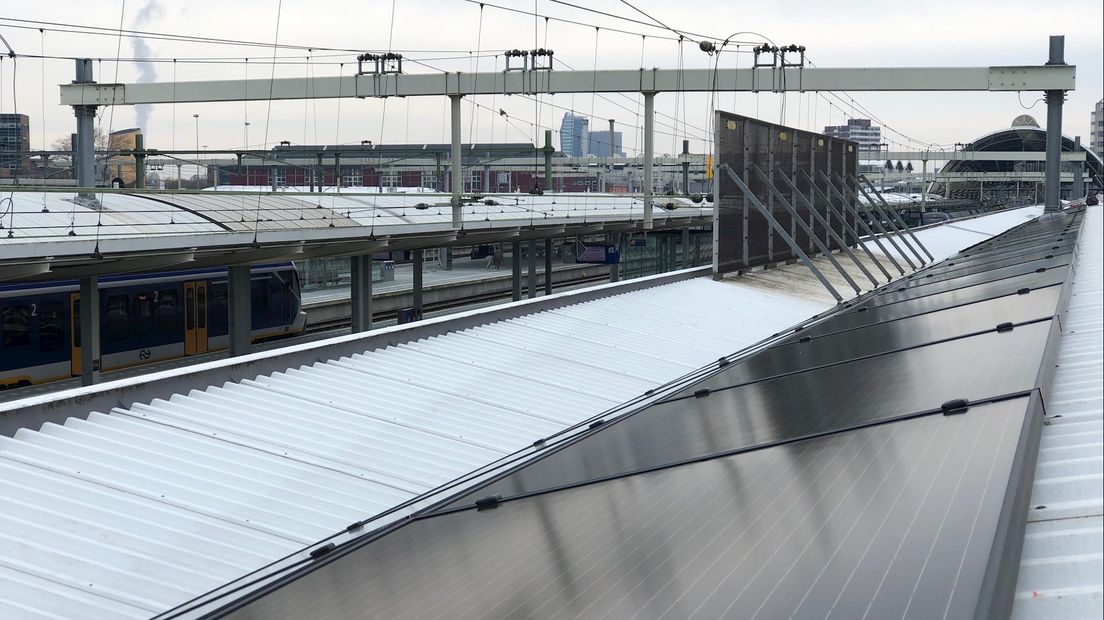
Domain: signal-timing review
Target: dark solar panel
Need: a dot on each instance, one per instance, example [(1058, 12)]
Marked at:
[(789, 407), (933, 303), (892, 521), (924, 279), (1022, 276)]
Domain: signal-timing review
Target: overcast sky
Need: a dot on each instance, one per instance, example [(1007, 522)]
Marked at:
[(444, 33)]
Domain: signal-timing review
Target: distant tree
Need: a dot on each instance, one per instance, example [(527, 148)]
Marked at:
[(63, 144)]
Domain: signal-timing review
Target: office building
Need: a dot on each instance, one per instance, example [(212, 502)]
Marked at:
[(599, 144), (15, 142), (574, 135), (861, 130)]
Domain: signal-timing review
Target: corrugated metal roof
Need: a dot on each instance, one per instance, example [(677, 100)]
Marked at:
[(132, 511), (42, 216), (1062, 571)]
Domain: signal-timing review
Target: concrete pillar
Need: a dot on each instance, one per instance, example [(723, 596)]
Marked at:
[(548, 266), (1054, 100), (361, 293), (89, 330), (241, 323), (444, 256), (454, 164), (686, 247), (418, 262), (649, 152), (532, 285), (515, 260)]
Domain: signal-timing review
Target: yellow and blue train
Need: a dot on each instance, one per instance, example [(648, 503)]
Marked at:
[(143, 318)]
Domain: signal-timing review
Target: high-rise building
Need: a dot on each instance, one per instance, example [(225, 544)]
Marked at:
[(599, 144), (861, 130), (574, 135), (1097, 129), (15, 142)]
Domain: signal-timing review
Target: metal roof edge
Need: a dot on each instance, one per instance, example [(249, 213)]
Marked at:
[(35, 411)]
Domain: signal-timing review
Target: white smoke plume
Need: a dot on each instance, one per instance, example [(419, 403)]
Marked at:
[(147, 72)]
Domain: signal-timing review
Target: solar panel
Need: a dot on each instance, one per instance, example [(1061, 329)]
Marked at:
[(934, 303), (894, 520), (789, 407), (1022, 278)]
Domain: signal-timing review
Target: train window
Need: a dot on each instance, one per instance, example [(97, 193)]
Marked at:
[(201, 307), (218, 307), (141, 314), (15, 322), (189, 308), (259, 292), (168, 318), (118, 317), (51, 326), (76, 323)]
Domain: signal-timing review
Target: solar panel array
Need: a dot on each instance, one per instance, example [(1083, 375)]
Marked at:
[(874, 463)]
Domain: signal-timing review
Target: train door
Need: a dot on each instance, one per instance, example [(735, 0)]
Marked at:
[(195, 317), (75, 338)]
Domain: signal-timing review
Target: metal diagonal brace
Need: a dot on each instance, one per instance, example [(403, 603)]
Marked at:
[(831, 231), (847, 227), (805, 227), (883, 216), (877, 221), (858, 219), (898, 216), (781, 231)]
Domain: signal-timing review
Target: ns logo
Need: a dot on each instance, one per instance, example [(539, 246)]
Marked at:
[(144, 354)]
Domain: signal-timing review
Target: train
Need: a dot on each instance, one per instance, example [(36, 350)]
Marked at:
[(143, 319)]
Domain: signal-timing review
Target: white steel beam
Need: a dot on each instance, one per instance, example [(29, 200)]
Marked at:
[(1047, 77)]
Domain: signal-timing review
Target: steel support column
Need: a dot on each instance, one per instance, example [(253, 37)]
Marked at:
[(615, 269), (89, 305), (455, 169), (549, 151), (239, 293), (417, 264), (1054, 100), (548, 266), (649, 155), (515, 270), (686, 247), (86, 141), (531, 286), (1078, 172), (361, 292)]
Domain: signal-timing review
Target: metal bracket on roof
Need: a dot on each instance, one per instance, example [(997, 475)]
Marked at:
[(853, 211), (805, 226), (836, 213), (890, 216), (831, 231), (897, 215), (877, 218), (778, 228)]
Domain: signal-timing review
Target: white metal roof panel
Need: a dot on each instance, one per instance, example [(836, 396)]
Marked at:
[(135, 510), (1062, 570)]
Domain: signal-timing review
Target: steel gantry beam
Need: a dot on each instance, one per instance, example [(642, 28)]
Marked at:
[(793, 79)]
